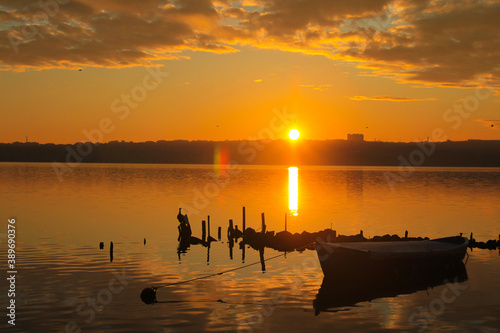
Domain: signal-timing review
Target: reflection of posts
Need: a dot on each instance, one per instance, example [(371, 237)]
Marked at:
[(203, 231), (262, 261), (208, 253), (231, 245), (242, 246)]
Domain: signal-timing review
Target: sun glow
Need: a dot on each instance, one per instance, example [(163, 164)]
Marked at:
[(293, 134)]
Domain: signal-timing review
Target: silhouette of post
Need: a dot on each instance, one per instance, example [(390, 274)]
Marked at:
[(111, 252), (203, 231), (244, 223), (219, 233), (406, 234), (208, 226), (285, 220), (101, 245), (263, 223)]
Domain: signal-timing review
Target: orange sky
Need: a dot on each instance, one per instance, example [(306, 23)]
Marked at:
[(390, 69)]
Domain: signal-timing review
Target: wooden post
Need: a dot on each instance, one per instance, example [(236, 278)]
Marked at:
[(406, 234), (208, 226), (263, 223), (361, 233), (471, 240), (144, 241), (111, 252), (244, 222), (101, 245), (203, 231), (219, 233)]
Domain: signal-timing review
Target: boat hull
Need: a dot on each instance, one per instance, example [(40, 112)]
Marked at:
[(399, 258)]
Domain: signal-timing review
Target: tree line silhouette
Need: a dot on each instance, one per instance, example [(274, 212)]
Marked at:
[(278, 152)]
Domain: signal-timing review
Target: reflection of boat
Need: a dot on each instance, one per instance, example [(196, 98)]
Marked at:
[(379, 258), (338, 290)]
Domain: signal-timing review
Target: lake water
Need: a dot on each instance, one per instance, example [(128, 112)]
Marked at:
[(64, 282)]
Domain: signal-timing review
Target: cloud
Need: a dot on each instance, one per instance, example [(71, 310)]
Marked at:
[(389, 98), (434, 42), (108, 33), (491, 123), (319, 87)]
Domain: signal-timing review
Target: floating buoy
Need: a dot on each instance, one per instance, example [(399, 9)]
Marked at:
[(148, 296)]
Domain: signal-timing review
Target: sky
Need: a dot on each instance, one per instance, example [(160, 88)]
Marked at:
[(393, 70)]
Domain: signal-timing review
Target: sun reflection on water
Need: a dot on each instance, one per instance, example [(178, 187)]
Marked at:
[(293, 190)]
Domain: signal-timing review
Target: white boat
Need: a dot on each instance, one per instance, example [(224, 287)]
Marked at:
[(385, 257)]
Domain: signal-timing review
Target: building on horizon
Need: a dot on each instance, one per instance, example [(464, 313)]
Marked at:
[(355, 137)]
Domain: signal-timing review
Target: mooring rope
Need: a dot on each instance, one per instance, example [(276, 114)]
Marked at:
[(230, 270)]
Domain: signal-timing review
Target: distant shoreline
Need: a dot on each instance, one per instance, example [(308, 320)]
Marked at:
[(472, 153)]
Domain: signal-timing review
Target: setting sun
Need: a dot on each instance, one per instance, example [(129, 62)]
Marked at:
[(294, 134)]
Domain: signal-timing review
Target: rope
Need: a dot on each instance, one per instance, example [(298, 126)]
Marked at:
[(229, 270)]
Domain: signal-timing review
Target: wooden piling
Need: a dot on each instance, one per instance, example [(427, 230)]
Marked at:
[(144, 241), (361, 233), (101, 245), (244, 223), (263, 223), (406, 234), (219, 232), (203, 231), (111, 252), (208, 226)]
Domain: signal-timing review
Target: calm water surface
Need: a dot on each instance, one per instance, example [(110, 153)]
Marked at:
[(61, 270)]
